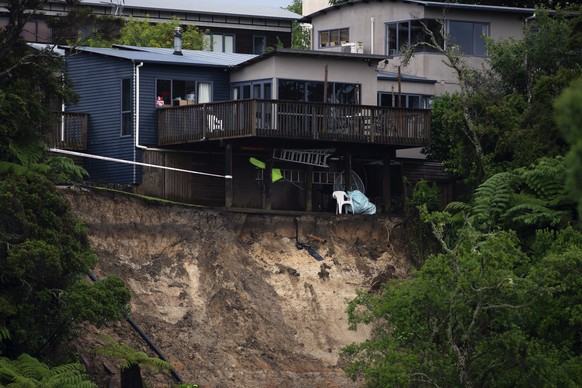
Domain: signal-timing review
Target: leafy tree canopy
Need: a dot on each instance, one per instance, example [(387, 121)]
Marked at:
[(301, 34), (144, 33), (44, 253), (496, 307)]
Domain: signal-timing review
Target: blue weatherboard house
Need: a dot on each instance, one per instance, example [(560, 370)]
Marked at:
[(185, 125)]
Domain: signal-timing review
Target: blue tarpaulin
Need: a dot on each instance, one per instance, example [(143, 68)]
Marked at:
[(362, 204)]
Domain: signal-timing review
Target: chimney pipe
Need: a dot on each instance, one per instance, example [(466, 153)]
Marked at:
[(178, 41)]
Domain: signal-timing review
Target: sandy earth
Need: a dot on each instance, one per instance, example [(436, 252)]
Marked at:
[(227, 297)]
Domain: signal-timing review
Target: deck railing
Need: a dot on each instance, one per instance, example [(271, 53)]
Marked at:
[(68, 131), (293, 120)]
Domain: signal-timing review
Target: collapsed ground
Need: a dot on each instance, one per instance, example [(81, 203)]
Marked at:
[(228, 297)]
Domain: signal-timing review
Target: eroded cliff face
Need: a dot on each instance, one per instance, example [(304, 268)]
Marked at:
[(228, 297)]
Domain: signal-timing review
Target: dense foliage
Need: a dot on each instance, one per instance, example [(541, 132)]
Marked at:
[(44, 253), (503, 116), (144, 33), (301, 35), (497, 307), (501, 304)]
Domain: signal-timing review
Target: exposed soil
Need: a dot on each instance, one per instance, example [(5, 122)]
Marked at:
[(228, 297)]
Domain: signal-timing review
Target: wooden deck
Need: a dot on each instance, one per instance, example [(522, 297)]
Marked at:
[(293, 120), (68, 131)]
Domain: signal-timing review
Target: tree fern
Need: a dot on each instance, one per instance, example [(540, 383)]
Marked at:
[(27, 371), (546, 180), (493, 197)]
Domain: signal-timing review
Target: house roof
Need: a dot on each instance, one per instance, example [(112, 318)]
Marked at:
[(391, 76), (369, 58), (477, 7), (437, 4), (166, 56), (238, 8)]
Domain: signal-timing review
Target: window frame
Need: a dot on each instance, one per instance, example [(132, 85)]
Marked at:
[(261, 84), (172, 81), (126, 107), (310, 87), (263, 48), (410, 27), (487, 26), (208, 42), (425, 99), (329, 34)]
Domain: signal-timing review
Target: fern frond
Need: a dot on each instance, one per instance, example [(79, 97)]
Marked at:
[(493, 197), (537, 215), (31, 367), (65, 169), (547, 179), (4, 333), (458, 210)]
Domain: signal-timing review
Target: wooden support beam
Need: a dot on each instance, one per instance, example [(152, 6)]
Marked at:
[(228, 183), (386, 185), (309, 189), (268, 181), (348, 171)]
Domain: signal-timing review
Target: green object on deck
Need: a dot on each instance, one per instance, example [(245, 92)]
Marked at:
[(275, 173)]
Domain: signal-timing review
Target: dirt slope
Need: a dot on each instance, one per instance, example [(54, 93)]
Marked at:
[(228, 297)]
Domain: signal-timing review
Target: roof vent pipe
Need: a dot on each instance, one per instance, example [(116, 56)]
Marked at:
[(178, 41)]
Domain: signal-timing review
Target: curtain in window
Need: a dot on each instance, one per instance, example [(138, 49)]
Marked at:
[(204, 92)]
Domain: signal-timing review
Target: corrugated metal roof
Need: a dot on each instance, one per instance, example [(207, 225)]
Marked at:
[(164, 55), (240, 8)]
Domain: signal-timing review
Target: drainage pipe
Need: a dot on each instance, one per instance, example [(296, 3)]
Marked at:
[(148, 341)]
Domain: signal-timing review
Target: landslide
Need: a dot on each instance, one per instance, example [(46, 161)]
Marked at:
[(228, 297)]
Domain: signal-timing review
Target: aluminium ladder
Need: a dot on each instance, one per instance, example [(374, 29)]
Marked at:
[(312, 157)]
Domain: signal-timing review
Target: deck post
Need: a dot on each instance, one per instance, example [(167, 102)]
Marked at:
[(309, 189), (386, 186), (228, 183), (253, 117), (268, 180)]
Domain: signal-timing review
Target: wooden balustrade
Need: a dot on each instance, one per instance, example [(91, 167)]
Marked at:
[(293, 120), (68, 131)]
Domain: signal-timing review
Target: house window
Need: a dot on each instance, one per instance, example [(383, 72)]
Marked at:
[(312, 91), (180, 92), (204, 92), (411, 101), (253, 89), (259, 44), (411, 32), (126, 116), (221, 43), (469, 37), (331, 38)]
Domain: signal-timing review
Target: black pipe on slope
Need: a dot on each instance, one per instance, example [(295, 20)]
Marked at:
[(147, 339)]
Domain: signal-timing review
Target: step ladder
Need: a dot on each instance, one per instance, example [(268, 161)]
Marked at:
[(312, 157)]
